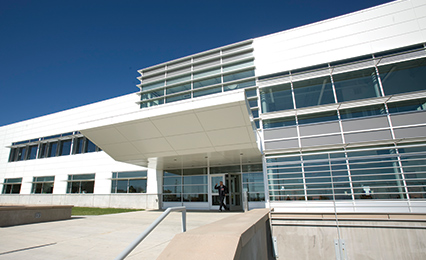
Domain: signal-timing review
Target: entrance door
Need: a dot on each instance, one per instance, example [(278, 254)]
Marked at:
[(235, 195), (214, 194)]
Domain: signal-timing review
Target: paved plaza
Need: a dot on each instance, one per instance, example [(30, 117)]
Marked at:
[(98, 237)]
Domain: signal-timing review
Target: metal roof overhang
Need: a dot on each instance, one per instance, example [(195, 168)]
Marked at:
[(217, 128)]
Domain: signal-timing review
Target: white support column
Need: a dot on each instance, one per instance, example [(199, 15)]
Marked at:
[(154, 182)]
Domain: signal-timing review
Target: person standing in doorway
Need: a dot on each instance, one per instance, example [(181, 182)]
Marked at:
[(223, 192)]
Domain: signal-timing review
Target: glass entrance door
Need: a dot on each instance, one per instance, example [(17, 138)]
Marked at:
[(235, 195), (214, 194)]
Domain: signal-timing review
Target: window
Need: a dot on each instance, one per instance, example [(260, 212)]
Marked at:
[(43, 185), (239, 75), (363, 112), (129, 182), (152, 94), (84, 145), (65, 147), (51, 146), (12, 186), (403, 77), (279, 122), (317, 118), (191, 186), (51, 149), (207, 82), (313, 92), (178, 89), (407, 106), (194, 185), (276, 98), (172, 186), (21, 153), (253, 183), (82, 183), (356, 85), (208, 91)]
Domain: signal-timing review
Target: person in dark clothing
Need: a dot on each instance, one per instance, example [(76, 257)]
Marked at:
[(223, 191)]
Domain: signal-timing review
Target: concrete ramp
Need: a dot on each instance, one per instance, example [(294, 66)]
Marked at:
[(243, 236)]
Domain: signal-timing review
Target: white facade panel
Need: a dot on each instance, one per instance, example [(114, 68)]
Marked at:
[(66, 121), (376, 29)]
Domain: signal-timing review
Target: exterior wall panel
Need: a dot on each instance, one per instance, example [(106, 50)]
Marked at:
[(410, 132), (361, 124), (317, 129), (280, 133), (321, 140), (285, 144), (368, 136), (376, 29), (409, 119)]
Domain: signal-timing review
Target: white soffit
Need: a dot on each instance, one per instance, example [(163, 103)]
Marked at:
[(207, 125)]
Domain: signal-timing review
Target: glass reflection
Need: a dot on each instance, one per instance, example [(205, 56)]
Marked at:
[(313, 92), (403, 77), (356, 85)]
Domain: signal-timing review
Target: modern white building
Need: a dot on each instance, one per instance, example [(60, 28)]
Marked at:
[(327, 116)]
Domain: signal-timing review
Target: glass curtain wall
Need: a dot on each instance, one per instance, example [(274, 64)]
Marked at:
[(388, 172), (202, 74), (187, 185), (191, 185), (347, 86)]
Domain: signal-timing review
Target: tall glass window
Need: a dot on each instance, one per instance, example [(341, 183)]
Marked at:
[(358, 84), (313, 92), (51, 149), (253, 183), (43, 185), (129, 182), (194, 185), (65, 147), (21, 153), (403, 77), (32, 152), (172, 186), (414, 165)]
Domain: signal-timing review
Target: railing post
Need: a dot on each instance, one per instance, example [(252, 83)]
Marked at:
[(184, 220), (245, 200)]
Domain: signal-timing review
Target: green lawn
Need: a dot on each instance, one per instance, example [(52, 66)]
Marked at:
[(83, 211)]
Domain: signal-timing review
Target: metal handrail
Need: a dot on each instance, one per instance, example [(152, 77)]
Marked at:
[(154, 224)]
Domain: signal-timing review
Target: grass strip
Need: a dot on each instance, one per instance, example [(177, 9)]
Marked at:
[(84, 211)]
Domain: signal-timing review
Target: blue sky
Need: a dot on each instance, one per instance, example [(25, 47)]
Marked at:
[(56, 55)]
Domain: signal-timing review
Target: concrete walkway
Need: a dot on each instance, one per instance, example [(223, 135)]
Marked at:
[(97, 237)]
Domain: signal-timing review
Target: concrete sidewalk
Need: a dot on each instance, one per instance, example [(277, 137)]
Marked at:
[(98, 237)]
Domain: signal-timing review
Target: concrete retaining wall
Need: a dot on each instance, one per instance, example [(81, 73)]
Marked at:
[(17, 215), (139, 201), (244, 236), (365, 236)]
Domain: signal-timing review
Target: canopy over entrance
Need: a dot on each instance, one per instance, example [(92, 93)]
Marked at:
[(217, 127)]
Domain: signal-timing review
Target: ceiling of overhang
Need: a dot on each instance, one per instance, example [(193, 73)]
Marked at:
[(184, 134)]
